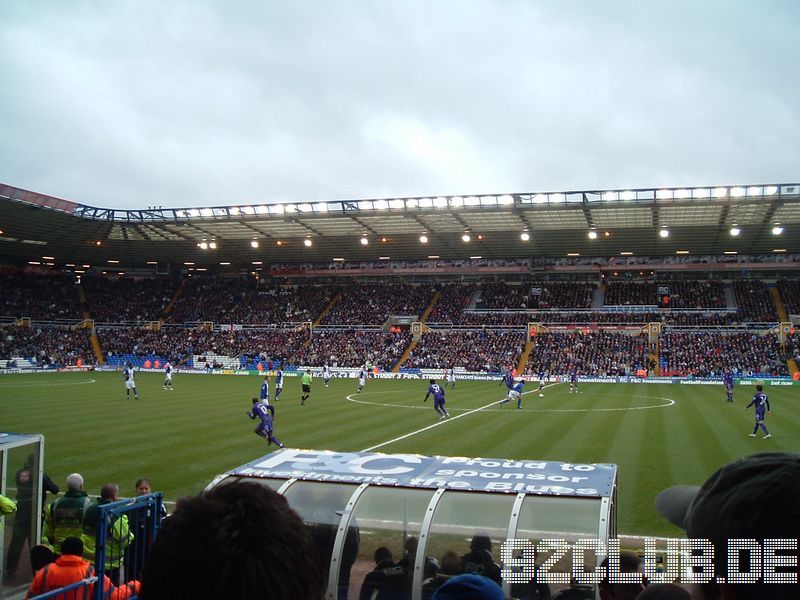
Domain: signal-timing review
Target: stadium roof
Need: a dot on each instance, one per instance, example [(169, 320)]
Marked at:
[(43, 229)]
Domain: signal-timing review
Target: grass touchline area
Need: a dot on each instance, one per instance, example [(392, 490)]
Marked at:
[(659, 435)]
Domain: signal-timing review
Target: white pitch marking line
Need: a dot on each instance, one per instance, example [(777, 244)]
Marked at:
[(37, 384), (441, 421)]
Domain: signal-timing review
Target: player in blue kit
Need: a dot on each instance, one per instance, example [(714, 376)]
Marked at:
[(542, 380), (761, 403), (265, 413), (508, 380), (515, 393), (326, 374), (437, 391), (278, 382), (265, 390), (727, 380), (573, 380)]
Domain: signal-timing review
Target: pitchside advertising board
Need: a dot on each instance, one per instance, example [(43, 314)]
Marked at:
[(435, 472)]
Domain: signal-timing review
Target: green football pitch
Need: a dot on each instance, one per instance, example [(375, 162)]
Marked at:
[(659, 435)]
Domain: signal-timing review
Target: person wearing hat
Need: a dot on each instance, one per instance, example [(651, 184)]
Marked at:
[(753, 498), (469, 586)]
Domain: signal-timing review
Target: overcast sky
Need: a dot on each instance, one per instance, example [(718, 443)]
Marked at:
[(197, 103)]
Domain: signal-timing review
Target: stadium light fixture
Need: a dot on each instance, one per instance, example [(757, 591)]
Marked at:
[(257, 262), (279, 243), (212, 245), (112, 261), (384, 240), (69, 265), (203, 245), (149, 262), (524, 236), (475, 257), (48, 257), (681, 252), (188, 263), (98, 243), (423, 239), (777, 230), (338, 259), (573, 253), (466, 238), (384, 257), (592, 235), (80, 271), (254, 243), (87, 266), (779, 250), (731, 252), (307, 243), (735, 231), (364, 241), (626, 253), (433, 256), (664, 233), (224, 264), (33, 262)]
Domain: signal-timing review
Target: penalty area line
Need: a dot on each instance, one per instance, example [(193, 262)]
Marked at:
[(443, 421)]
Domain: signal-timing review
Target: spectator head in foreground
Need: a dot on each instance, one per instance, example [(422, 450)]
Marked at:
[(752, 498), (469, 587), (239, 540), (75, 482)]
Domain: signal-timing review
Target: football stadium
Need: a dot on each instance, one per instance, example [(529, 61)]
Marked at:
[(622, 329)]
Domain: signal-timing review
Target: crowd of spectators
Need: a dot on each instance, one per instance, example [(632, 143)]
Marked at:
[(630, 293), (754, 301), (180, 344), (565, 294), (790, 295), (592, 353), (46, 296), (353, 348), (708, 354), (46, 346), (287, 303), (372, 303), (503, 295), (451, 304), (474, 350), (218, 300), (127, 299), (696, 294)]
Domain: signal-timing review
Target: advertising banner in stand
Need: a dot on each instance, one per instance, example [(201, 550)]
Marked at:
[(456, 473)]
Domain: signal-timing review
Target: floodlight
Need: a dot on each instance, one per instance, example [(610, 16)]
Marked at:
[(735, 231), (525, 236), (664, 233)]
